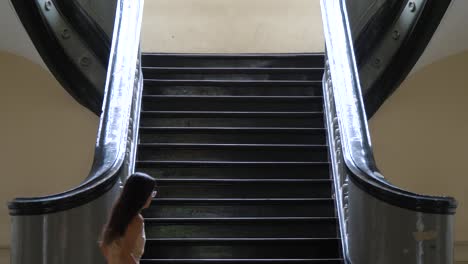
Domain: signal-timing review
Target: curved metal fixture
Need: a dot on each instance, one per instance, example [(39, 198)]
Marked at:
[(65, 227), (377, 62), (379, 222), (389, 37), (72, 45), (90, 30)]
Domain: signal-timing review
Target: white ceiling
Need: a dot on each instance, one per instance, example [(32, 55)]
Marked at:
[(450, 37)]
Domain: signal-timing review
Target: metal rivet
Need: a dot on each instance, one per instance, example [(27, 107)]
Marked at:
[(396, 34), (412, 6), (376, 63), (48, 5), (66, 33), (85, 61)]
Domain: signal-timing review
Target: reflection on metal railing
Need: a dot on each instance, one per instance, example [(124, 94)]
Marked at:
[(65, 228), (379, 222)]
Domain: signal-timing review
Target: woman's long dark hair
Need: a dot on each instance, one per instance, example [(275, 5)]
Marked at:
[(137, 190)]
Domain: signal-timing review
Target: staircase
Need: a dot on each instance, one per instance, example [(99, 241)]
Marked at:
[(238, 145)]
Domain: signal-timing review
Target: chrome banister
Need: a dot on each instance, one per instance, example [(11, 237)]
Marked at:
[(379, 222), (65, 228)]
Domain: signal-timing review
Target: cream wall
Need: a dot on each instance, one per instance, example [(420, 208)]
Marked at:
[(232, 26), (47, 139), (420, 136), (4, 255)]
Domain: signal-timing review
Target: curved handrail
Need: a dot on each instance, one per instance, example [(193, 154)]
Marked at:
[(356, 144), (114, 122)]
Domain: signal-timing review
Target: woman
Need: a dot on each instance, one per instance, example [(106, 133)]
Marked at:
[(123, 238)]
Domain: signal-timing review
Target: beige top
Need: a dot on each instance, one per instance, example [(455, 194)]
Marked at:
[(114, 249)]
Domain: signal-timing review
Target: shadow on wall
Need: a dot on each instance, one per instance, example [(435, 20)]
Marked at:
[(47, 138), (420, 134), (226, 26)]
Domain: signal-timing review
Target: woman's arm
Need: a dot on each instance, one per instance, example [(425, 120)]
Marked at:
[(134, 230), (128, 258)]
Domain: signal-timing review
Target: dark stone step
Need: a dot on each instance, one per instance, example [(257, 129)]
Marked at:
[(232, 103), (266, 207), (242, 248), (234, 88), (225, 119), (247, 188), (232, 135), (284, 227), (204, 73), (233, 60), (232, 152), (255, 171), (242, 261)]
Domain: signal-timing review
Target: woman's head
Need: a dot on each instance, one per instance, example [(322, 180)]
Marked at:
[(135, 196)]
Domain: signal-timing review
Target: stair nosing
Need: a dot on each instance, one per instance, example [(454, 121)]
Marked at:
[(235, 55), (236, 81), (227, 145), (237, 97), (237, 239), (244, 260), (243, 114), (224, 163), (240, 219), (272, 129), (201, 200), (242, 180), (293, 69)]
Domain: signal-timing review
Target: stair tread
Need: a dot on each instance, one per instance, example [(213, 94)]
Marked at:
[(234, 55), (241, 200), (240, 219), (234, 60), (233, 69), (247, 129), (242, 260), (243, 97), (243, 180), (224, 82), (230, 113), (222, 145), (241, 207), (237, 239), (211, 162)]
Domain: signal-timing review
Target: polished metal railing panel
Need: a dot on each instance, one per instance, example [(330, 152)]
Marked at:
[(65, 228), (379, 222)]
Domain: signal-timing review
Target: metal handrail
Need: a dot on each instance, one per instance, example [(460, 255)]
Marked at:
[(360, 188), (123, 76)]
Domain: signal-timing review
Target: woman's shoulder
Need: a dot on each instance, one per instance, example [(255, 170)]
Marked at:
[(138, 219), (134, 230), (136, 224)]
